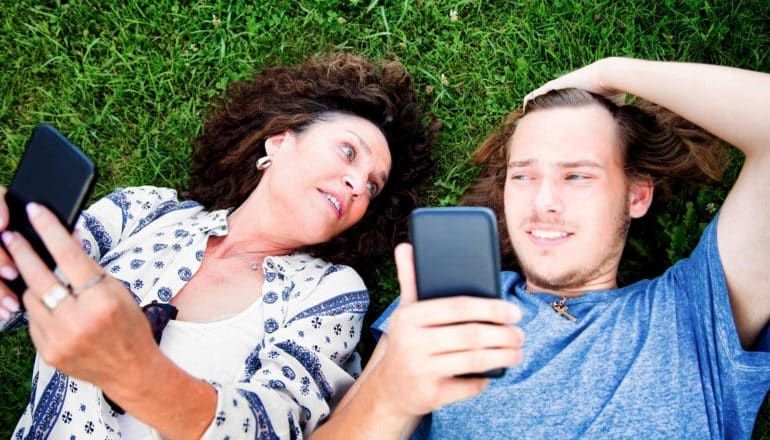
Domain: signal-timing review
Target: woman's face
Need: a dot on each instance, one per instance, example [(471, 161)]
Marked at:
[(322, 179)]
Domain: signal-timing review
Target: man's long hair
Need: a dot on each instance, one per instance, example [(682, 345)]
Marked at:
[(656, 144)]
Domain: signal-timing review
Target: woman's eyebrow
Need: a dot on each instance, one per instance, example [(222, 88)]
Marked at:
[(382, 176)]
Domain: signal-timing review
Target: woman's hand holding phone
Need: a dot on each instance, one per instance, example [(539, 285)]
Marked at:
[(9, 304), (98, 335), (430, 343)]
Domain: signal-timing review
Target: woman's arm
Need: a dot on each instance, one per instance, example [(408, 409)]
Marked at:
[(734, 105), (101, 336)]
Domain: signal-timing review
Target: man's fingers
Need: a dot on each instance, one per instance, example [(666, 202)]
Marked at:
[(455, 389), (445, 311), (476, 361), (473, 336), (76, 266), (406, 277)]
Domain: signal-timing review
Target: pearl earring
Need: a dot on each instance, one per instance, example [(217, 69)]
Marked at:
[(264, 162)]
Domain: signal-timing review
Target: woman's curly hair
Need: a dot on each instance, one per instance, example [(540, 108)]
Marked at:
[(291, 98), (656, 144)]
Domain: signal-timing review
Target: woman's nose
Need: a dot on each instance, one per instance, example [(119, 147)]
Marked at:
[(355, 183)]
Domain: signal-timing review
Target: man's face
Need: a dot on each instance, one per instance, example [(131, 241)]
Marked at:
[(567, 198)]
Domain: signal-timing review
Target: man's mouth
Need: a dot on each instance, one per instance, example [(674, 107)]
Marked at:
[(548, 235)]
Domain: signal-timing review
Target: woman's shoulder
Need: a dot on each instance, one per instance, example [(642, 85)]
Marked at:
[(140, 194), (308, 269)]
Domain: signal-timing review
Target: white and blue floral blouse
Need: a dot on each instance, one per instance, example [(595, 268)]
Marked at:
[(313, 313)]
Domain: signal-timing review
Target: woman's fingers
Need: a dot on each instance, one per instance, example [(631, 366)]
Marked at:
[(3, 209), (73, 263), (7, 268), (38, 277), (9, 304)]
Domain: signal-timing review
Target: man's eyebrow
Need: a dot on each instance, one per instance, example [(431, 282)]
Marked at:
[(521, 163), (580, 164), (383, 176), (564, 164)]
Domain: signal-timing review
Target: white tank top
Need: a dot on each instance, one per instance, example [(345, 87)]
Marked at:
[(215, 351)]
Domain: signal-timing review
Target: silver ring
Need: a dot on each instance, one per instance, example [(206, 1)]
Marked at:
[(89, 284), (53, 296)]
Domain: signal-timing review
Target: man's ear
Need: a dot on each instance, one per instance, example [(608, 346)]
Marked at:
[(275, 142), (640, 196)]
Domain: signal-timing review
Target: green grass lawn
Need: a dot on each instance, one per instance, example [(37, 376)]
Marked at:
[(129, 82)]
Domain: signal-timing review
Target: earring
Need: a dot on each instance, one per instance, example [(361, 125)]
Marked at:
[(264, 162)]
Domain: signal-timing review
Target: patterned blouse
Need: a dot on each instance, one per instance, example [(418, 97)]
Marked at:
[(313, 313)]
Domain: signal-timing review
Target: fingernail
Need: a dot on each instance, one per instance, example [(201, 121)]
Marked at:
[(4, 314), (33, 209), (7, 238), (8, 272), (11, 304)]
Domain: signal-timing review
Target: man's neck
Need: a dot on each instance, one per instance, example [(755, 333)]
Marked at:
[(605, 283)]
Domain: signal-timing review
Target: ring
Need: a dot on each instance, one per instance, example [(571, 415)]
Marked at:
[(89, 284), (53, 296)]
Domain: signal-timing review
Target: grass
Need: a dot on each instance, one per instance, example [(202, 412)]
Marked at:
[(130, 81)]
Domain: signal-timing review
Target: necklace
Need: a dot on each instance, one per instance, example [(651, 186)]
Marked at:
[(560, 308)]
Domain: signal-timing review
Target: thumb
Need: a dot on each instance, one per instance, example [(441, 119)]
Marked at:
[(406, 278)]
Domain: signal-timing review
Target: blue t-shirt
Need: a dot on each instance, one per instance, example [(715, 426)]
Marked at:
[(657, 359)]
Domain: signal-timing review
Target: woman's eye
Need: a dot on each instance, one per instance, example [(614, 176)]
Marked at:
[(576, 177), (348, 151), (520, 177), (372, 188)]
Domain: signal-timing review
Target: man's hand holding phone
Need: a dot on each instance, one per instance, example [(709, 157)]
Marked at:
[(415, 367)]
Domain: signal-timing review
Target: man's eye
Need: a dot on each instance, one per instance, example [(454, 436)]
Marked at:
[(348, 151), (576, 177), (372, 188)]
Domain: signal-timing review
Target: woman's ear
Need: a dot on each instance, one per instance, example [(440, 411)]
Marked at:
[(275, 142), (640, 197)]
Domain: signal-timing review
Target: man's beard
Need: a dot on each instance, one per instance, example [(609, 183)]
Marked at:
[(582, 276)]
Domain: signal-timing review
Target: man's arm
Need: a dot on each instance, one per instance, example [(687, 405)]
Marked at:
[(734, 105)]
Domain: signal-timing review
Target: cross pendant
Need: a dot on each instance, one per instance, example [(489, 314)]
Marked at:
[(561, 309)]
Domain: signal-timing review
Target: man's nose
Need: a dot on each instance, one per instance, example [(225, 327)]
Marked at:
[(547, 198)]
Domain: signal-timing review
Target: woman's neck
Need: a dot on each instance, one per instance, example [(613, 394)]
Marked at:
[(250, 234)]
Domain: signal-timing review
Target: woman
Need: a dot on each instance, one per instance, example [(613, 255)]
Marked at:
[(298, 168)]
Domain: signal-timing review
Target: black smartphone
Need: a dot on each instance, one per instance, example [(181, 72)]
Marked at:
[(54, 173), (456, 252)]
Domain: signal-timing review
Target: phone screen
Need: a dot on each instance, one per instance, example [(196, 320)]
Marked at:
[(456, 252)]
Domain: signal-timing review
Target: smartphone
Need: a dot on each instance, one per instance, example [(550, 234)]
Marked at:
[(456, 252), (54, 173)]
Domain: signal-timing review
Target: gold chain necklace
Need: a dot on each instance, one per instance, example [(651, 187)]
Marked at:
[(559, 307)]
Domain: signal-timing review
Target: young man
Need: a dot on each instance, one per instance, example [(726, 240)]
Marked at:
[(684, 355)]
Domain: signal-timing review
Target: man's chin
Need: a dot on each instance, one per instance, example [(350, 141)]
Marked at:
[(553, 279)]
